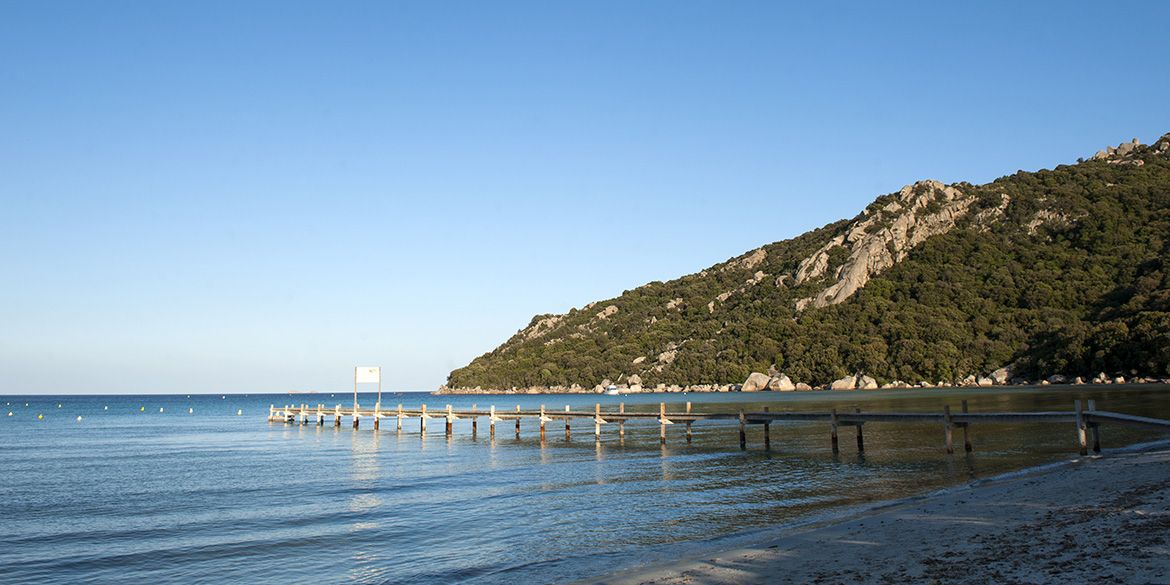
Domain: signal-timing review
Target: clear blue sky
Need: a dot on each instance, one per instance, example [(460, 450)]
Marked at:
[(250, 196)]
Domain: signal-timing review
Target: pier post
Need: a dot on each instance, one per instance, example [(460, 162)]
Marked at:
[(304, 416), (966, 433), (377, 414), (860, 436), (399, 425), (833, 430), (742, 432), (422, 420), (541, 423), (271, 412), (1093, 426), (449, 419), (662, 423), (947, 426), (337, 416), (356, 419), (1081, 428), (518, 422), (320, 415), (622, 421), (474, 422), (492, 422), (566, 423), (688, 423), (767, 432), (597, 421)]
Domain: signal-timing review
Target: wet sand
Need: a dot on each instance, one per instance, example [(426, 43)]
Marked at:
[(1096, 519)]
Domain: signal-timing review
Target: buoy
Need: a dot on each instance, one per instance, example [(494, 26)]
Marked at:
[(160, 409), (141, 409), (79, 418), (105, 408), (10, 413), (239, 412), (58, 405), (190, 411), (40, 417)]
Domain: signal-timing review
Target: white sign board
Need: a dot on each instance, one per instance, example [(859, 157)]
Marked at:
[(367, 374)]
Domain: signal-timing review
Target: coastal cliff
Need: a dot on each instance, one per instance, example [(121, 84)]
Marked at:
[(1045, 276)]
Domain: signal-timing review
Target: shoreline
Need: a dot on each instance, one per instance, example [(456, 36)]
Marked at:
[(1102, 517), (736, 388)]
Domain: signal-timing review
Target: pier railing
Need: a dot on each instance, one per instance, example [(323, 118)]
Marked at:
[(1086, 418)]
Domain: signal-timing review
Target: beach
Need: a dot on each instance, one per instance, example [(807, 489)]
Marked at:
[(1099, 519)]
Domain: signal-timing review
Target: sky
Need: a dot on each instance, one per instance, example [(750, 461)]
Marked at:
[(259, 196)]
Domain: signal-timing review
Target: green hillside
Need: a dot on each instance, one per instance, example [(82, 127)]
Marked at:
[(1058, 271)]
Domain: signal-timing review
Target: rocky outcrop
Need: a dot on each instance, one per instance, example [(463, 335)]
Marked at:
[(883, 238), (1130, 153), (721, 297), (1117, 153), (746, 262), (607, 312)]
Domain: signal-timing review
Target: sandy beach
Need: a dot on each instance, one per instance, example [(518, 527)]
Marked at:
[(1095, 519)]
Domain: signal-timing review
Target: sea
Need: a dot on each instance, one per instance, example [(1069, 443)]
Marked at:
[(203, 489)]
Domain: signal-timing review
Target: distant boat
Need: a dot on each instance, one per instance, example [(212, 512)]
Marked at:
[(611, 391)]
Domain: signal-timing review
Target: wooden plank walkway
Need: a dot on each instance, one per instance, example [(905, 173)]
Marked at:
[(1086, 420)]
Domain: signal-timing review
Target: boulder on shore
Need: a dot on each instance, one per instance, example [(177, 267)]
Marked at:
[(866, 383), (846, 383), (985, 381), (781, 383), (1001, 376), (755, 382), (801, 386)]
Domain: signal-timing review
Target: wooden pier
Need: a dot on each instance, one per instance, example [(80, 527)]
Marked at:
[(1086, 418)]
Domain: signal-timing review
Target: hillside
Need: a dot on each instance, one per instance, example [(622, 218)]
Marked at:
[(1050, 272)]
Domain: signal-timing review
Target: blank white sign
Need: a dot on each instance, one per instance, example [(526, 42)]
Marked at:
[(367, 374)]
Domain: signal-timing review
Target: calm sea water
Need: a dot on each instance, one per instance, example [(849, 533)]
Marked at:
[(144, 490)]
